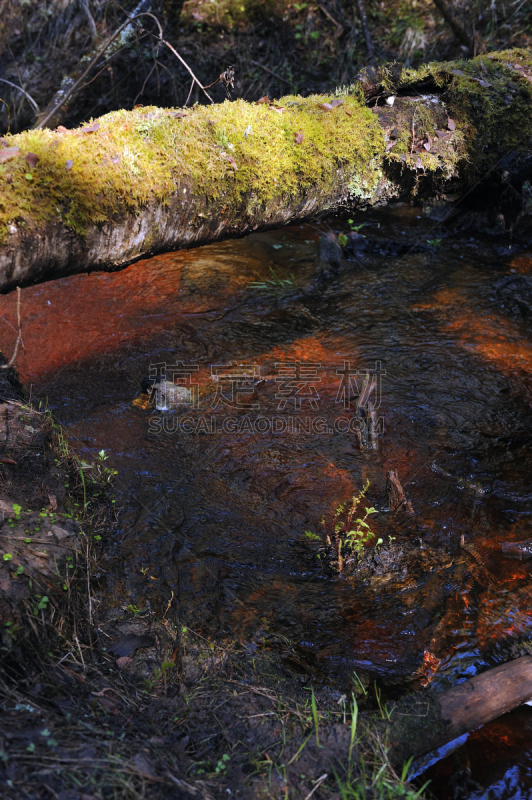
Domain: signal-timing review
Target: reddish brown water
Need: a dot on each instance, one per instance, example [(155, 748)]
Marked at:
[(216, 515)]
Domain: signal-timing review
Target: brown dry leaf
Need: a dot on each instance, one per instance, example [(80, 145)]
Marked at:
[(429, 139), (53, 501), (442, 134), (279, 109), (69, 165), (326, 106), (92, 128), (299, 137), (348, 113), (427, 146), (7, 460), (7, 507), (31, 160), (231, 161), (8, 153), (178, 115), (390, 145), (108, 705), (123, 661), (264, 99), (62, 129), (141, 764), (518, 66), (451, 124), (337, 102), (131, 642)]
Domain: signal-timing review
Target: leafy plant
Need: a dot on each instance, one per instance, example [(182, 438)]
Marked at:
[(347, 534)]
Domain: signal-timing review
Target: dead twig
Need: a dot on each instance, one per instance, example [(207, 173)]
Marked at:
[(24, 92), (19, 335), (365, 28)]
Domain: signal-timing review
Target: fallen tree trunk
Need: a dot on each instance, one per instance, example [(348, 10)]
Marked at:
[(425, 722), (150, 180)]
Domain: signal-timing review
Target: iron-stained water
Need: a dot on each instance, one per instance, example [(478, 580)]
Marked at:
[(218, 518)]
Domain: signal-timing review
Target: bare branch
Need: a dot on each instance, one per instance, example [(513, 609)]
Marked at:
[(19, 336)]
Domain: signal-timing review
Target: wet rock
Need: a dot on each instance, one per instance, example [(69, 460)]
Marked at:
[(360, 245), (330, 251), (515, 294)]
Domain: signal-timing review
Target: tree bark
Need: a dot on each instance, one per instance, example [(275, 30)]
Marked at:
[(459, 31), (137, 183), (425, 722)]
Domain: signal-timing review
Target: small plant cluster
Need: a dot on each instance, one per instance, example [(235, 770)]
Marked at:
[(348, 533)]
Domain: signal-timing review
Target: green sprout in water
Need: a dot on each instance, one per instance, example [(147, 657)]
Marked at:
[(348, 533), (275, 285)]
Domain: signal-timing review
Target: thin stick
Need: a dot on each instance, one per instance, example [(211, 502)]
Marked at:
[(20, 89), (19, 336), (366, 30), (176, 54), (100, 52), (267, 69)]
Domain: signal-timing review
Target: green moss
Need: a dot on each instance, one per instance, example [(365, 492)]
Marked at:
[(148, 154), (238, 151)]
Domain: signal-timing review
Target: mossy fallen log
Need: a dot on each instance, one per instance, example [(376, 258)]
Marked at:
[(423, 722), (137, 183)]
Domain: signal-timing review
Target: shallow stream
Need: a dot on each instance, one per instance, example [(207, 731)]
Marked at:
[(272, 345)]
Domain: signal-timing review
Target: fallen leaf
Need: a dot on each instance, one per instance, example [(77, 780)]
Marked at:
[(139, 105), (131, 642), (7, 507), (142, 765), (31, 160), (299, 137), (429, 140), (178, 115), (457, 72), (279, 109), (442, 134), (264, 99), (337, 102), (9, 178), (92, 128), (231, 160), (123, 662), (53, 501), (518, 66), (326, 106), (7, 460), (108, 705), (483, 67), (390, 145), (8, 153), (61, 129), (427, 146), (115, 159), (451, 124), (69, 165), (348, 113)]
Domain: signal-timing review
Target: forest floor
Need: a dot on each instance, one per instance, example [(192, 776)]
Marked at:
[(119, 704), (276, 47)]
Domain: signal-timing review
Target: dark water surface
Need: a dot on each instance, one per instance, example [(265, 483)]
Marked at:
[(217, 498)]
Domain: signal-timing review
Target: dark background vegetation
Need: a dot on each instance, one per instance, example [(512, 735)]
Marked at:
[(277, 47)]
